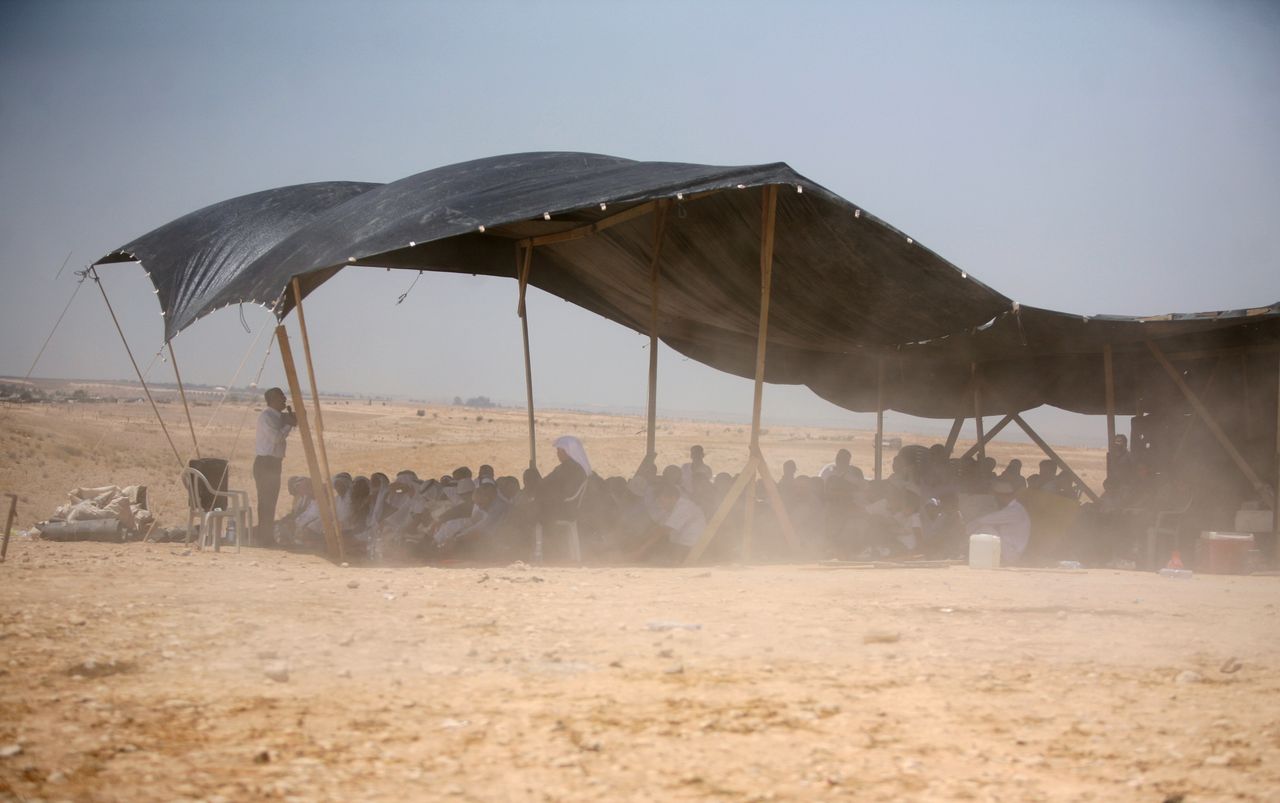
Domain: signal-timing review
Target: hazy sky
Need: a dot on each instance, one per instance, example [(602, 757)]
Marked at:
[(1107, 157)]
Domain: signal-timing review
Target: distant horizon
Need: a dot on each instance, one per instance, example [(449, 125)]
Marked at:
[(930, 426)]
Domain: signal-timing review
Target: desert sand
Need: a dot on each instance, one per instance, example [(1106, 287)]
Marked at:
[(141, 672)]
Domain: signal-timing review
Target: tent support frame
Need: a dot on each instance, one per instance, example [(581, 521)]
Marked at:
[(755, 466), (1054, 456), (987, 437)]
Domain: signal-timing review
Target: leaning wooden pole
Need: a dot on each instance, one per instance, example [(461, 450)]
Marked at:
[(315, 399), (655, 271), (182, 391), (523, 266), (332, 538)]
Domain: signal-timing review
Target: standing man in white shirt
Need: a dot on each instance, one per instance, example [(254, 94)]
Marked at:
[(274, 424)]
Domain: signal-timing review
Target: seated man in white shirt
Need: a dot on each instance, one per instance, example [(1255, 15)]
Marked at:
[(695, 468), (1010, 522), (679, 525)]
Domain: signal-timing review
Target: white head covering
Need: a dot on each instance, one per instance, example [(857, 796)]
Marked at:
[(573, 447)]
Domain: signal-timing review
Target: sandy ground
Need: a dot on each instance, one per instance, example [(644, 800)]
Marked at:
[(143, 672), (147, 672)]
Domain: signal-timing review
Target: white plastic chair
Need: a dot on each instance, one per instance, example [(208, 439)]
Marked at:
[(235, 506), (567, 526)]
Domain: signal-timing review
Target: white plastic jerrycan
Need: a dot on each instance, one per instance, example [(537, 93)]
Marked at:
[(984, 551)]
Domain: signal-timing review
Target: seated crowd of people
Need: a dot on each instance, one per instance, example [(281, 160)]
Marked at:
[(926, 507)]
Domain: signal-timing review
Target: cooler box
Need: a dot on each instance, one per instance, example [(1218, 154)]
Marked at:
[(1223, 553)]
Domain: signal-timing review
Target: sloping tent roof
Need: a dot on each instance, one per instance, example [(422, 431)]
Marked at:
[(848, 289)]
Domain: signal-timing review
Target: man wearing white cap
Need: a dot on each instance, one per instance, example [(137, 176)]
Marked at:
[(1010, 522)]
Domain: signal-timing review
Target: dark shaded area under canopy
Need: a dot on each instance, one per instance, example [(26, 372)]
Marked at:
[(848, 289)]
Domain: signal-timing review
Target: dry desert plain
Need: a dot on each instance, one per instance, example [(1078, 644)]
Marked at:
[(148, 672)]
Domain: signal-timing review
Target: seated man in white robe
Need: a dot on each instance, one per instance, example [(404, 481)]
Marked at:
[(678, 524), (1010, 522)]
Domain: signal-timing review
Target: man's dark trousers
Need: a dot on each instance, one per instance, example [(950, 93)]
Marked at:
[(266, 476)]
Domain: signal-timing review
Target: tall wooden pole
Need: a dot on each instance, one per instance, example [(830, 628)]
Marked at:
[(880, 419), (769, 214), (523, 267), (1275, 504), (659, 227), (1109, 377), (333, 539), (315, 399), (977, 411), (182, 391)]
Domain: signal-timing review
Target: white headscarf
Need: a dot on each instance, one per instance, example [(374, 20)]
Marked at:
[(574, 448)]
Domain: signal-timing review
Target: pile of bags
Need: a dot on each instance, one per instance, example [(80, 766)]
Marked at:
[(108, 513)]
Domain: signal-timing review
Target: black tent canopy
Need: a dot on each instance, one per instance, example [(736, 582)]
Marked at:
[(848, 291)]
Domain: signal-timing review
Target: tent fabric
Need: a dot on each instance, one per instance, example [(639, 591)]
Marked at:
[(848, 289)]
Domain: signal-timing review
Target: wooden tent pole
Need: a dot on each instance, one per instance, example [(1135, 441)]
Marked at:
[(1244, 395), (977, 410), (1048, 450), (769, 214), (1275, 508), (879, 419), (331, 536), (315, 399), (659, 229), (182, 391), (1109, 377), (1209, 421), (523, 267)]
